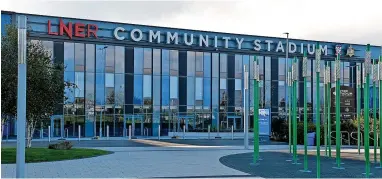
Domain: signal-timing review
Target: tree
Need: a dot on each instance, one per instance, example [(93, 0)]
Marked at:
[(45, 85)]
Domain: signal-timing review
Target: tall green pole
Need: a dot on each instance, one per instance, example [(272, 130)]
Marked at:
[(305, 74), (380, 113), (366, 108), (338, 121), (358, 109), (290, 116), (375, 110), (294, 76), (329, 106), (255, 112), (325, 111), (318, 120)]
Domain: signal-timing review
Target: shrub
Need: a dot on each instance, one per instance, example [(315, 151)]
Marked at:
[(66, 145)]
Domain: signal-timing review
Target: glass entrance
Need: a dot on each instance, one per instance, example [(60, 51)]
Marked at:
[(57, 126)]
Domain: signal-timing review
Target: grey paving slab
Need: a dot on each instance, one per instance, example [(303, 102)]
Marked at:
[(126, 163), (85, 143)]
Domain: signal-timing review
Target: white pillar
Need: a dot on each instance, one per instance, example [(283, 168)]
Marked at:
[(79, 132), (209, 130), (21, 96), (48, 133), (129, 132), (232, 132), (107, 132), (159, 132)]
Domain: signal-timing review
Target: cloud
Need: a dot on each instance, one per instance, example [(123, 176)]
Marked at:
[(346, 21)]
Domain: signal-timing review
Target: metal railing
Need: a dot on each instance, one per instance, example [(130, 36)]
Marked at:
[(342, 138)]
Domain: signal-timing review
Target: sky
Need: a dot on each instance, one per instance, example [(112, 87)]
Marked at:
[(347, 21)]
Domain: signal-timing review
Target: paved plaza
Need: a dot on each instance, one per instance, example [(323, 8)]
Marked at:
[(186, 159)]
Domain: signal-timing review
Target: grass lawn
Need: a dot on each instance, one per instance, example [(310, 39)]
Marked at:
[(8, 155)]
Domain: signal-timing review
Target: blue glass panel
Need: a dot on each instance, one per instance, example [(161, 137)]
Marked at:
[(165, 90), (215, 65), (138, 90), (199, 89), (138, 60), (207, 92), (69, 92), (147, 86), (109, 79), (173, 87), (156, 62), (207, 65), (190, 91), (69, 56), (100, 58), (165, 62), (156, 90), (215, 91), (100, 88), (5, 20), (80, 80), (119, 89)]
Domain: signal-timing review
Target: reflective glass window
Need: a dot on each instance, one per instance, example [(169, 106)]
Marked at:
[(119, 59), (198, 88), (207, 92), (199, 63), (147, 61), (190, 91), (165, 90), (109, 82), (207, 64), (69, 91), (138, 90), (100, 58), (215, 65), (165, 62), (156, 90), (119, 91), (238, 66), (215, 91), (223, 65), (147, 88), (174, 65), (69, 56), (156, 61), (138, 60), (80, 86), (90, 58), (89, 94), (100, 88), (79, 54), (190, 63), (173, 87), (110, 52)]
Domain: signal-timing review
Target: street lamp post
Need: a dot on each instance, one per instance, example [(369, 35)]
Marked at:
[(21, 96), (329, 117), (286, 86), (294, 107), (245, 109)]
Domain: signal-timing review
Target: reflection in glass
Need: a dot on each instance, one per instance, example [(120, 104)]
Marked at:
[(79, 53), (165, 90), (119, 59), (90, 58), (100, 88), (190, 91), (100, 58), (110, 59), (138, 90), (156, 62), (119, 93), (138, 60), (69, 56), (190, 64), (147, 89)]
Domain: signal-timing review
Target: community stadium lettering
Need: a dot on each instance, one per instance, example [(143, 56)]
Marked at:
[(211, 41)]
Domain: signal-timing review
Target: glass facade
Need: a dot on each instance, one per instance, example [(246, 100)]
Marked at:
[(119, 86)]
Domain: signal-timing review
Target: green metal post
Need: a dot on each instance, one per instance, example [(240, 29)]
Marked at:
[(358, 109), (318, 120), (375, 111), (304, 73), (338, 121), (294, 75), (329, 115), (366, 108), (255, 114), (325, 118), (290, 116), (380, 113)]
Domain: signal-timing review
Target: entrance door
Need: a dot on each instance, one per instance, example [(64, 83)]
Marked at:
[(57, 126)]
